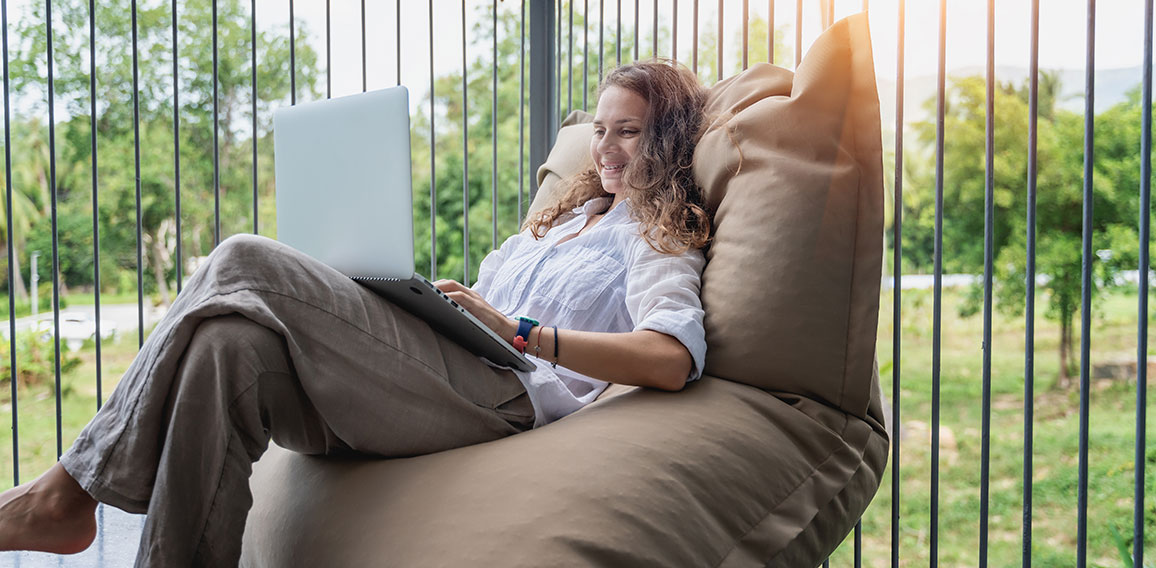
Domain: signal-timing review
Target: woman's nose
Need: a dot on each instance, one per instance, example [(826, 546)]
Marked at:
[(607, 143)]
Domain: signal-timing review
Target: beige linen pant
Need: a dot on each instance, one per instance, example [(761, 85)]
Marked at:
[(265, 342)]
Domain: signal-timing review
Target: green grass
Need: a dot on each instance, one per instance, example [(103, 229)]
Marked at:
[(1055, 441), (1111, 460), (36, 408)]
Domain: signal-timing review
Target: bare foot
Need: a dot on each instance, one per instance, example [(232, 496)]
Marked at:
[(50, 514)]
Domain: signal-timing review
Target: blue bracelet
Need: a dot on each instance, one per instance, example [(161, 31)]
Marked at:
[(522, 336)]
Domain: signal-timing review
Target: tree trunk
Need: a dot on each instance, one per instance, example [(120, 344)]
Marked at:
[(158, 254), (17, 285)]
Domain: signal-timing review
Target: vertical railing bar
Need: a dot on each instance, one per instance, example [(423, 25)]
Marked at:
[(585, 53), (521, 111), (543, 92), (654, 32), (95, 189), (826, 563), (858, 543), (618, 34), (937, 303), (1030, 300), (465, 157), (719, 43), (364, 78), (433, 202), (55, 236), (988, 228), (557, 66), (216, 137), (771, 31), (674, 36), (494, 131), (1142, 307), (746, 30), (694, 40), (397, 39), (897, 286), (11, 260), (1086, 291), (328, 53), (253, 71), (601, 39), (798, 32), (830, 14), (570, 61), (176, 164), (136, 158), (293, 58), (636, 38)]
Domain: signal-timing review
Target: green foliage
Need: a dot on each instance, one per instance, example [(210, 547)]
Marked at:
[(119, 140), (36, 361), (1059, 206)]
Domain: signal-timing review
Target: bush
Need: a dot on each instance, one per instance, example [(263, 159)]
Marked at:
[(35, 363)]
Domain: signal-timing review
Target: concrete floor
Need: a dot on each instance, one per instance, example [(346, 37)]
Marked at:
[(117, 537)]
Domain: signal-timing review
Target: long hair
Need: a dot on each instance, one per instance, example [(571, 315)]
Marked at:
[(664, 198)]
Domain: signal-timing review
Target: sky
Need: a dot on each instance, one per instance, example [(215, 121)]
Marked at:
[(1063, 32), (1063, 23)]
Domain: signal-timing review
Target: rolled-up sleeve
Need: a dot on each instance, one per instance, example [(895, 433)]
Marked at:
[(662, 294)]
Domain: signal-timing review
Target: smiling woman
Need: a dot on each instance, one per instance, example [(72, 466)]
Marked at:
[(650, 115), (266, 343)]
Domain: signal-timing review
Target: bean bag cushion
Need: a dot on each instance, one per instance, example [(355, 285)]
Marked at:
[(763, 462)]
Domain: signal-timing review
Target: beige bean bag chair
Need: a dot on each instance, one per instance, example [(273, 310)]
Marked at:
[(767, 461)]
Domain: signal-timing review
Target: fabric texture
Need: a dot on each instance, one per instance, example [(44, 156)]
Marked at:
[(793, 168), (720, 474), (768, 460), (267, 342), (606, 279)]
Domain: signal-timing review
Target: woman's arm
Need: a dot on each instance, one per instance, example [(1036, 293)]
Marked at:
[(642, 358)]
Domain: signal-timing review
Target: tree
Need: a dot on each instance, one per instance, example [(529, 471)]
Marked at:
[(116, 134), (1060, 178)]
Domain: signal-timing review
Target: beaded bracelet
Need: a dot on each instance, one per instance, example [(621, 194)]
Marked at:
[(538, 345)]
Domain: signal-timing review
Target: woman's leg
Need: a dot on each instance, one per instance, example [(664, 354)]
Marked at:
[(376, 379)]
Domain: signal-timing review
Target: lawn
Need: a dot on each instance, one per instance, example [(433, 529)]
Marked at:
[(1112, 420), (1055, 436)]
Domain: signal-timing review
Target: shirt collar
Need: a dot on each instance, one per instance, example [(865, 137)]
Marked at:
[(599, 205)]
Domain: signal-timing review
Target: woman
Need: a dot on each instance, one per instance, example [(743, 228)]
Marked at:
[(266, 343)]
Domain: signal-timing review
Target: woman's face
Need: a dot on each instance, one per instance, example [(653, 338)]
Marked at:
[(618, 128)]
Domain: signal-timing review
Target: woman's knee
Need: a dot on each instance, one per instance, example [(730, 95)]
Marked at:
[(245, 249), (248, 261)]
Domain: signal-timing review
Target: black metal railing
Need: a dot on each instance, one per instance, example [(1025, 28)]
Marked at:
[(539, 102)]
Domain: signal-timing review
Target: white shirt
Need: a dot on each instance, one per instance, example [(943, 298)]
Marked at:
[(606, 279)]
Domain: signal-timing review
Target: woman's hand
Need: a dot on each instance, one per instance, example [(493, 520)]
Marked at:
[(473, 302)]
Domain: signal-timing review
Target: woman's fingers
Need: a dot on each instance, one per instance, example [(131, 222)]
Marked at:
[(448, 285), (454, 287), (475, 304)]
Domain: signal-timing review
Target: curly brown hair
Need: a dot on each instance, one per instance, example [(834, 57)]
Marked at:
[(665, 200)]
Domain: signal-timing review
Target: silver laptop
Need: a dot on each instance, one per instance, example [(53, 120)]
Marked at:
[(344, 197)]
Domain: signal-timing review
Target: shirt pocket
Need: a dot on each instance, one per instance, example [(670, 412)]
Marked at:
[(576, 277)]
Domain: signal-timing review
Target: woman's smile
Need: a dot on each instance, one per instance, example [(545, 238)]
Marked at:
[(618, 127)]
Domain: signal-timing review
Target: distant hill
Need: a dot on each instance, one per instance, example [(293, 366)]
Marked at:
[(1112, 86)]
